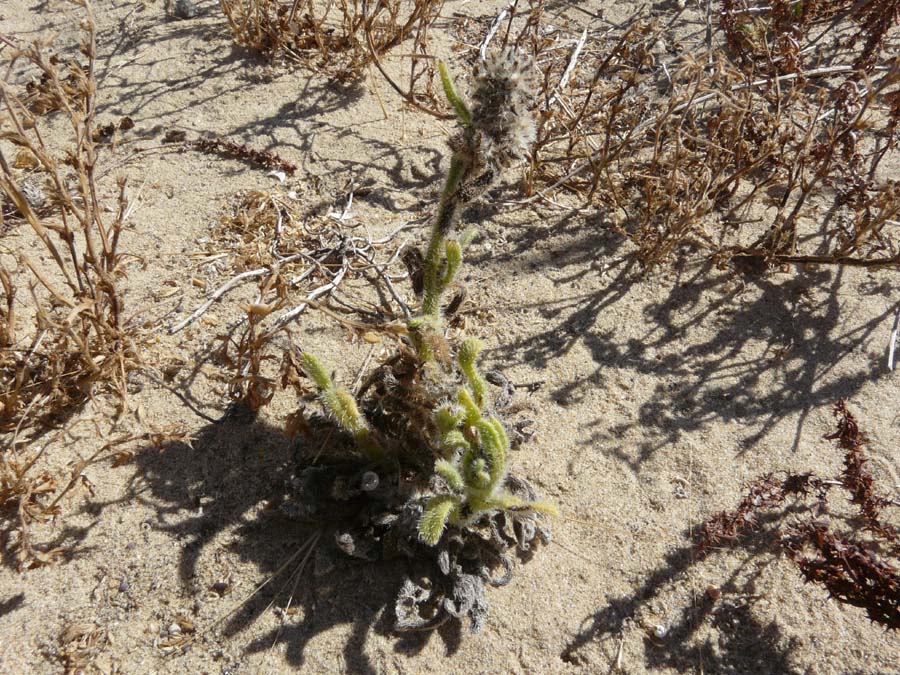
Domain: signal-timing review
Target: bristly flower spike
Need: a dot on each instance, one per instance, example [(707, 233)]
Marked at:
[(504, 92), (498, 131), (340, 404)]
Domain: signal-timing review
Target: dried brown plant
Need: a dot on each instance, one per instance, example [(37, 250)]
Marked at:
[(245, 354), (64, 333), (856, 570), (770, 140), (79, 337), (339, 38), (229, 148), (851, 572), (298, 261)]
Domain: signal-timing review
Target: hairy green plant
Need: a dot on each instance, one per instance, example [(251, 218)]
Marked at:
[(428, 473), (477, 470)]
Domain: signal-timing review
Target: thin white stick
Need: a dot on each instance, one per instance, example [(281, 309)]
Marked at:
[(345, 214), (223, 289), (287, 317), (567, 73), (393, 291), (134, 58), (274, 247), (619, 652), (387, 264), (750, 10), (133, 203), (571, 113), (384, 240), (893, 341), (362, 369), (495, 26), (300, 277)]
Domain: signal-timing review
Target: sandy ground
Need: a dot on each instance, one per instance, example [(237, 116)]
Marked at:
[(661, 396)]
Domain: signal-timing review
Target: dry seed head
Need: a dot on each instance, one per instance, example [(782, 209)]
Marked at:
[(504, 88)]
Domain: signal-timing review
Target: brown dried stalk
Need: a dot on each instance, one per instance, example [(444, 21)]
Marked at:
[(248, 383), (225, 146)]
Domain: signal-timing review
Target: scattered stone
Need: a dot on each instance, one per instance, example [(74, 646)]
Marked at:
[(33, 192), (369, 481), (185, 9)]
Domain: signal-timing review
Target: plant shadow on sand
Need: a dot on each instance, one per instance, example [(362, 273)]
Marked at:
[(795, 326), (728, 345), (751, 647), (297, 129), (236, 469), (743, 643)]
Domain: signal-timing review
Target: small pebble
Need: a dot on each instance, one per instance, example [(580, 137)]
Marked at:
[(185, 9), (369, 481), (33, 192)]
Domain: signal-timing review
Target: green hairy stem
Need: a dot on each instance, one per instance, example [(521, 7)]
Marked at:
[(468, 352), (340, 404), (443, 257), (459, 106)]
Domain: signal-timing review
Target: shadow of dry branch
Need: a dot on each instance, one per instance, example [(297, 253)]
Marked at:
[(718, 345)]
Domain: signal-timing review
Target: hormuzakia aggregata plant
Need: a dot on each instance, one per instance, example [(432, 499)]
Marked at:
[(418, 466)]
